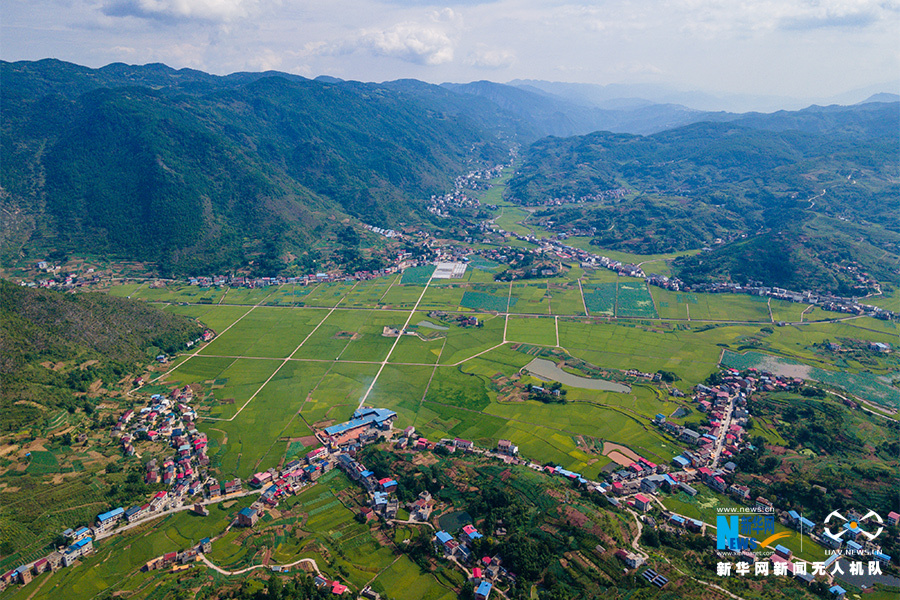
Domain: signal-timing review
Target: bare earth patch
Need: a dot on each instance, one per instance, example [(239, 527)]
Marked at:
[(609, 447)]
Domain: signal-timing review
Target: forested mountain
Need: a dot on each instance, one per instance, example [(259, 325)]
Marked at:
[(53, 344), (803, 195), (190, 171)]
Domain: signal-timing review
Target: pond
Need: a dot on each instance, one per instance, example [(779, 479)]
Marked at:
[(548, 370)]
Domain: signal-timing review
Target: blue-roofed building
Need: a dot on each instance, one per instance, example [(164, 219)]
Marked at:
[(470, 534), (794, 515), (886, 558), (659, 418), (831, 560), (80, 548), (364, 418), (831, 541), (445, 542), (110, 518), (483, 590), (853, 531), (805, 524), (837, 592), (247, 517), (681, 462), (853, 546), (677, 520)]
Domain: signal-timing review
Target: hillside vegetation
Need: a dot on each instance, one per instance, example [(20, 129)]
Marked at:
[(193, 172), (54, 346), (800, 196)]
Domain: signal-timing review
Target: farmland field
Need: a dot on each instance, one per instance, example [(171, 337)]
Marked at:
[(600, 298), (533, 330), (284, 365), (531, 298), (633, 299)]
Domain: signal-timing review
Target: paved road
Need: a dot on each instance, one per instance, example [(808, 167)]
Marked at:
[(171, 511), (309, 561)]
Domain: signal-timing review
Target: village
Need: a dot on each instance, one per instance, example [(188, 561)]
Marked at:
[(633, 483)]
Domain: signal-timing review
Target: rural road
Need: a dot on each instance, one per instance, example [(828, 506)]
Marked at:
[(309, 561), (171, 511)]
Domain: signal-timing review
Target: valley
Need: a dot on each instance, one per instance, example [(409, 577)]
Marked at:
[(588, 346)]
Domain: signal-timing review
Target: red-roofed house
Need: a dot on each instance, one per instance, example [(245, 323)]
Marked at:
[(642, 502)]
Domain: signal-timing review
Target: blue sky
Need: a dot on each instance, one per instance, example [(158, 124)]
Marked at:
[(799, 48)]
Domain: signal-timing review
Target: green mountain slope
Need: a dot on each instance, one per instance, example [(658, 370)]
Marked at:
[(193, 172), (798, 205), (79, 338)]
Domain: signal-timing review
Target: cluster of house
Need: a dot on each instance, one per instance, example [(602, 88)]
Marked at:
[(849, 539), (382, 502), (388, 233), (79, 543), (179, 558), (486, 572), (66, 281), (614, 194), (158, 420), (826, 301), (172, 421)]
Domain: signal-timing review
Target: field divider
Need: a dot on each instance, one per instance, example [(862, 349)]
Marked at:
[(583, 301), (218, 335), (283, 362), (397, 341)]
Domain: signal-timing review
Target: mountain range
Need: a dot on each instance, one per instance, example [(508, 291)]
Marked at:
[(188, 172)]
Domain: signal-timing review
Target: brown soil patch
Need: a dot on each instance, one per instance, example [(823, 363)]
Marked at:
[(574, 517), (307, 440), (424, 459), (323, 424), (8, 448), (88, 363), (347, 335), (30, 403), (53, 366), (610, 447), (619, 458)]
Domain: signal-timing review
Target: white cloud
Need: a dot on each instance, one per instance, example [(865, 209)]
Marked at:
[(412, 42), (491, 58), (179, 10)]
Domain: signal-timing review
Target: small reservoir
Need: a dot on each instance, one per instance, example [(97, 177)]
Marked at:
[(548, 370)]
